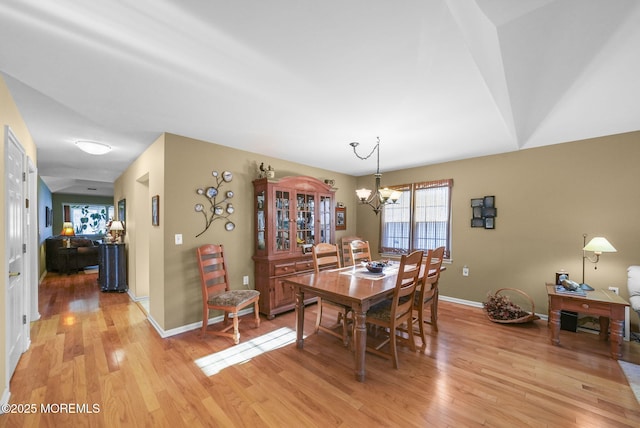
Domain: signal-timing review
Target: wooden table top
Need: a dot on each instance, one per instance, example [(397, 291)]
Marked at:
[(597, 295), (352, 282)]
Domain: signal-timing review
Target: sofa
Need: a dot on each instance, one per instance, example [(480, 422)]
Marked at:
[(87, 253)]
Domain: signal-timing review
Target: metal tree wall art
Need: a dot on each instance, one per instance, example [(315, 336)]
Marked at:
[(219, 207)]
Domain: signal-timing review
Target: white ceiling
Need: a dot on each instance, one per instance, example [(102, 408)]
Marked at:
[(437, 80)]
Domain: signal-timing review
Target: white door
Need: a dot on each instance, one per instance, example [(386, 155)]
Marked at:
[(15, 310), (31, 238)]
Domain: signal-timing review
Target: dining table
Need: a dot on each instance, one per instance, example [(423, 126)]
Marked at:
[(352, 286)]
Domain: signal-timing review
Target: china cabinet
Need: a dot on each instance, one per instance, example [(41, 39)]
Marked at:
[(291, 215)]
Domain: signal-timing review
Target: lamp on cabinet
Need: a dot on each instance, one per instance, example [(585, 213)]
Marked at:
[(67, 230), (118, 227)]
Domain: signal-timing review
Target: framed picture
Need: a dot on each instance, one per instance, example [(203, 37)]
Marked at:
[(155, 210), (122, 209), (477, 222), (341, 218), (483, 212), (489, 212), (47, 217)]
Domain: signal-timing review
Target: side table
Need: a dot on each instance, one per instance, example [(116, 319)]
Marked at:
[(602, 303), (70, 259)]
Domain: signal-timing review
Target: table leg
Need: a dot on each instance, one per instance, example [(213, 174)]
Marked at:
[(360, 339), (554, 326), (604, 328), (617, 328), (299, 318)]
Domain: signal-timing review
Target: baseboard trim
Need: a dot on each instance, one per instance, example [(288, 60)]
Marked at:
[(544, 317), (135, 298), (196, 325), (193, 326)]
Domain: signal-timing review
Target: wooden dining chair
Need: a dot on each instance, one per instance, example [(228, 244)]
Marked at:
[(427, 293), (345, 249), (327, 256), (217, 295), (360, 251), (391, 314)]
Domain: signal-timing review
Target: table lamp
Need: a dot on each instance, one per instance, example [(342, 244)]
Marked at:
[(116, 226), (67, 230), (598, 245)]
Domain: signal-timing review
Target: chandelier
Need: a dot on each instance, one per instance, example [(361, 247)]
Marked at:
[(380, 197)]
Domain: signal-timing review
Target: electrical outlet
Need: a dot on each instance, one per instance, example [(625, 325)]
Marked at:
[(245, 280), (615, 290), (465, 271)]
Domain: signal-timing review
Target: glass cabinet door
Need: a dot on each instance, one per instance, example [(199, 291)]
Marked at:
[(305, 219), (260, 221), (282, 221), (325, 213)]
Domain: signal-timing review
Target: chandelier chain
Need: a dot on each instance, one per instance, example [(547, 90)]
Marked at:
[(376, 147)]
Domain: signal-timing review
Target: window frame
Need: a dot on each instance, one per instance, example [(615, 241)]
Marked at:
[(409, 218)]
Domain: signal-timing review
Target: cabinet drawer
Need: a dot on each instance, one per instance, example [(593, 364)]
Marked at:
[(284, 269), (305, 265), (587, 307)]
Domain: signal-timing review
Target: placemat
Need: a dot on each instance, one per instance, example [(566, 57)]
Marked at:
[(364, 273)]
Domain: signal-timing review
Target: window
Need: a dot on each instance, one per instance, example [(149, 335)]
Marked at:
[(420, 220), (89, 219)]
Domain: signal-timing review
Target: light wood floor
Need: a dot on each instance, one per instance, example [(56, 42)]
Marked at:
[(98, 348)]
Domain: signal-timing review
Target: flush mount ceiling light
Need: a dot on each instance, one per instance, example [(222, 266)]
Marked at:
[(93, 148)]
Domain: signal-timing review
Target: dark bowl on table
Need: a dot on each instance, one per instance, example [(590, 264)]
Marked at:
[(375, 267)]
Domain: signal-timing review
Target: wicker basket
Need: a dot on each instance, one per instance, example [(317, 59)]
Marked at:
[(529, 316)]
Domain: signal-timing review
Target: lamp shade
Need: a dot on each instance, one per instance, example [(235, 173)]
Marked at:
[(67, 229), (599, 245), (116, 225), (363, 194), (385, 194)]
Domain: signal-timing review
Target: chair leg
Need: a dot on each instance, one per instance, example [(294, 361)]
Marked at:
[(236, 330), (256, 311), (392, 344), (423, 336), (434, 312), (345, 329), (205, 320), (412, 341), (319, 315)]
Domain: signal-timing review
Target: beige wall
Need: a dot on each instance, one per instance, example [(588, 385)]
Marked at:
[(176, 167), (546, 199), (145, 245), (9, 116)]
